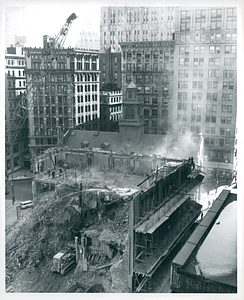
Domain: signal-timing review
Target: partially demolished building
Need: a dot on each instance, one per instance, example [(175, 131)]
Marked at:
[(160, 209), (159, 218)]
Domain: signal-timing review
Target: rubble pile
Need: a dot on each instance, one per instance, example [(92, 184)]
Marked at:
[(52, 224), (39, 235)]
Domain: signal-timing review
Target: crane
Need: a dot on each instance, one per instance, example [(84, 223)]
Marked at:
[(61, 36), (21, 112)]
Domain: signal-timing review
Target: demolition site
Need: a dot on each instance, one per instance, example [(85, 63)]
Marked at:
[(101, 221)]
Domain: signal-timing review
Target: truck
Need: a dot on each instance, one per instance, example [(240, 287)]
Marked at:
[(64, 261)]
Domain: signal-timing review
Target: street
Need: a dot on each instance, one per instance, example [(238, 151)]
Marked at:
[(22, 192)]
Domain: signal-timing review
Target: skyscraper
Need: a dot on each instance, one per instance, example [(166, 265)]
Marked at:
[(205, 82)]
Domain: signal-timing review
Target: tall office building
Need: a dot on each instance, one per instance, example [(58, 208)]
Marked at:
[(17, 153), (121, 24), (62, 94), (135, 24), (205, 85)]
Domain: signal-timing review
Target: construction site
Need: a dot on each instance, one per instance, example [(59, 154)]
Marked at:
[(107, 209), (101, 221)]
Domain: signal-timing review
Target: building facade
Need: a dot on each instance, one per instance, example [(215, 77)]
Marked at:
[(88, 39), (205, 82), (151, 65), (15, 87), (110, 68), (135, 24), (130, 24), (111, 110), (62, 93)]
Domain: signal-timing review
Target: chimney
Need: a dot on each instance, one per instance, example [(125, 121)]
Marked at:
[(45, 41)]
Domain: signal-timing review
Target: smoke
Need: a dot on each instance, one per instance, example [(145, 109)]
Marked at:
[(180, 146)]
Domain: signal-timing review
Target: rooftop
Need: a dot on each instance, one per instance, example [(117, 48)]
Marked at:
[(211, 251)]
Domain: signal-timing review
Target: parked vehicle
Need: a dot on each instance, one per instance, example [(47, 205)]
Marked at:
[(26, 204)]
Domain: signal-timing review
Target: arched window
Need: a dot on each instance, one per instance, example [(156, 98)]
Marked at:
[(129, 113)]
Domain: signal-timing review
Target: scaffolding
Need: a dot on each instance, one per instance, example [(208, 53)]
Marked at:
[(166, 211)]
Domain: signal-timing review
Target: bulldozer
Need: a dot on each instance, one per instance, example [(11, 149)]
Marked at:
[(64, 261)]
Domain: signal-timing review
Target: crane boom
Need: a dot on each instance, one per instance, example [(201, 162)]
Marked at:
[(61, 36)]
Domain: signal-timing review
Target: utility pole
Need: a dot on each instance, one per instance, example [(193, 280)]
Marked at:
[(12, 188), (81, 205)]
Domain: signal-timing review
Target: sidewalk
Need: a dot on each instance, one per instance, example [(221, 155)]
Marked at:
[(21, 172)]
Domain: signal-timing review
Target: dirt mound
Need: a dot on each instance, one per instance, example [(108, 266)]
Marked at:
[(40, 234)]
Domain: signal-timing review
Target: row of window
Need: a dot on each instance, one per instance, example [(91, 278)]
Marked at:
[(86, 77), (88, 108), (115, 99), (217, 142), (19, 73), (51, 121), (115, 109), (86, 118), (48, 141), (12, 84), (212, 49), (212, 61), (214, 37), (13, 62), (200, 73), (209, 108), (47, 131), (136, 17), (87, 98), (86, 88), (50, 110), (210, 96)]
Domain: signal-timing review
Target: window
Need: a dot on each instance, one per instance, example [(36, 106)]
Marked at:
[(221, 142), (228, 131), (225, 85), (146, 112), (154, 113), (222, 120), (180, 73), (228, 120), (229, 108), (230, 97), (223, 108)]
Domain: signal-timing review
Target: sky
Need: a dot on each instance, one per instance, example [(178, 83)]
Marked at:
[(37, 18)]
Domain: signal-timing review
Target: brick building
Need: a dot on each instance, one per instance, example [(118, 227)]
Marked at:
[(111, 110), (151, 64), (64, 96), (120, 24), (110, 68)]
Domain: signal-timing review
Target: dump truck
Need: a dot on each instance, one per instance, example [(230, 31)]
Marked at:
[(63, 261)]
